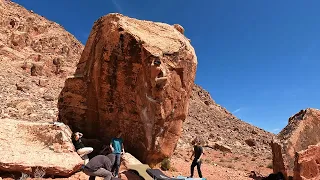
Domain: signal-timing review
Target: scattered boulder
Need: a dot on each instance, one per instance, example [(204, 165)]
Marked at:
[(19, 40), (36, 69), (307, 163), (220, 146), (179, 28), (128, 159), (27, 147), (278, 163), (21, 106), (302, 131), (42, 82), (132, 74), (48, 97), (250, 142), (21, 87)]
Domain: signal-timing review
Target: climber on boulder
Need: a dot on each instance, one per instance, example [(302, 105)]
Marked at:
[(80, 148)]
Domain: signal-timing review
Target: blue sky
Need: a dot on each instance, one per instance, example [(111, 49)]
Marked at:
[(259, 59)]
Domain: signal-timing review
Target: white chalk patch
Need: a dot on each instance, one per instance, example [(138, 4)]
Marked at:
[(150, 98)]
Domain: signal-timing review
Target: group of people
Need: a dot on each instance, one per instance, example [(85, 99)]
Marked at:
[(106, 166)]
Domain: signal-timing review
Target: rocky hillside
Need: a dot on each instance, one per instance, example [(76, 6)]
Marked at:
[(218, 126), (36, 56)]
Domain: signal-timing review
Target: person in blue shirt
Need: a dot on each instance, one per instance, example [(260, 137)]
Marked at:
[(117, 148)]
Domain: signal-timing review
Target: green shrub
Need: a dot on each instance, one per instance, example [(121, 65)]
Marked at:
[(270, 166), (165, 164)]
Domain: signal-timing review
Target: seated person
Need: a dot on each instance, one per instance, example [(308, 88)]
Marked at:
[(80, 148)]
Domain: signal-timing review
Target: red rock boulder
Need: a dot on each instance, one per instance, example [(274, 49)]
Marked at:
[(278, 163), (135, 76), (34, 148), (302, 131), (307, 163)]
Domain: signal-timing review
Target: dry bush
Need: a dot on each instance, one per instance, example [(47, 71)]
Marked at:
[(270, 166), (208, 161), (24, 176), (39, 173)]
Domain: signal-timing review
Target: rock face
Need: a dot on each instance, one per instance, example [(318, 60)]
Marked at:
[(307, 163), (302, 130), (33, 147), (36, 56), (135, 76), (278, 163)]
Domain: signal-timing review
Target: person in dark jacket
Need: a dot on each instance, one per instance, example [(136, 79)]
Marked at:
[(80, 148), (197, 153), (101, 166)]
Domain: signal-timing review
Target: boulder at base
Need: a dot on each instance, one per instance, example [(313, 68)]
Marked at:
[(32, 147), (307, 163), (302, 131), (128, 160), (135, 76)]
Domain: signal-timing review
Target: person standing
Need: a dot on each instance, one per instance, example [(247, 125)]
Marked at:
[(80, 148), (117, 148), (100, 166), (197, 153)]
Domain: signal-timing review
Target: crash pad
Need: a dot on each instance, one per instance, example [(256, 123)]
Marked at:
[(141, 170), (186, 178), (157, 174)]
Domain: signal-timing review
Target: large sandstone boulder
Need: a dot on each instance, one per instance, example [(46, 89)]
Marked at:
[(302, 131), (37, 147), (128, 159), (278, 164), (307, 163), (134, 76)]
